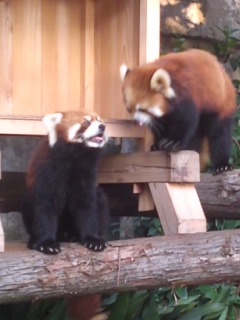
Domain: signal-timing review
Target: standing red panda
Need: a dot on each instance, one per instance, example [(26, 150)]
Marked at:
[(63, 200), (184, 98)]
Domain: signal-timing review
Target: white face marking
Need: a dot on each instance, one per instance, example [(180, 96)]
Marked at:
[(123, 71), (92, 131), (51, 121), (155, 111), (72, 131), (142, 118)]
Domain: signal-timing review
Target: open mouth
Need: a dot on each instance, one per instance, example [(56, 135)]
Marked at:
[(97, 139)]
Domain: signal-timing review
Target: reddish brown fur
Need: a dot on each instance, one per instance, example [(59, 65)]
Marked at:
[(85, 307), (194, 73)]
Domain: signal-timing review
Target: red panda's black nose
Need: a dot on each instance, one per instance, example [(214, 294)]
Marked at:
[(101, 127)]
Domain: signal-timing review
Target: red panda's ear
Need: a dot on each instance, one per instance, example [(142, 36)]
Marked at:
[(123, 70), (161, 82), (51, 121)]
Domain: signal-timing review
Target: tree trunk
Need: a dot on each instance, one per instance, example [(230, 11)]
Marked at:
[(220, 195), (190, 259)]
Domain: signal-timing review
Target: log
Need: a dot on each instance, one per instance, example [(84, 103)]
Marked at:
[(180, 260), (220, 195)]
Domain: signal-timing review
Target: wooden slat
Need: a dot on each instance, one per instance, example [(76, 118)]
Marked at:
[(149, 167), (5, 57), (149, 46), (178, 207), (33, 126), (89, 55), (26, 57), (62, 55), (116, 42)]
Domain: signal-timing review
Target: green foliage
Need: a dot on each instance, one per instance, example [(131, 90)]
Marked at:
[(51, 309), (225, 49), (216, 302)]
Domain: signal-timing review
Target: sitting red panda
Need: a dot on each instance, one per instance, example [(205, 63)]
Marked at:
[(63, 201), (184, 98)]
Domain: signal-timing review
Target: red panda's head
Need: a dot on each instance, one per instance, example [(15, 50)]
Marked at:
[(146, 92), (83, 127)]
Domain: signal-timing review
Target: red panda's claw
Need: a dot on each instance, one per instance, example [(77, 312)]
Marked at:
[(47, 247), (168, 145), (222, 169), (95, 244)]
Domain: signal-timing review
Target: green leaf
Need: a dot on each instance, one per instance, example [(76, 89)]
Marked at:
[(150, 310), (198, 312), (120, 307), (135, 305)]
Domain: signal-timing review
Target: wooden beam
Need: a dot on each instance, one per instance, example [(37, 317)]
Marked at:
[(148, 167), (33, 126), (181, 260)]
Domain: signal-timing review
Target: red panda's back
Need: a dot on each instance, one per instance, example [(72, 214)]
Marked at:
[(198, 74)]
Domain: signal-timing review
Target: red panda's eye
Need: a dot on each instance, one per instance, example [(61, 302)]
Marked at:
[(86, 123)]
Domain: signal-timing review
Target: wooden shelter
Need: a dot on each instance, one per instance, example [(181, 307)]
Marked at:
[(64, 55)]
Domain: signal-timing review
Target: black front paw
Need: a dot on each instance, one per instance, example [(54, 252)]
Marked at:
[(168, 145), (222, 168), (47, 247), (95, 244)]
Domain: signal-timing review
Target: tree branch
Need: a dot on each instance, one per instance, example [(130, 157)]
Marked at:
[(190, 259)]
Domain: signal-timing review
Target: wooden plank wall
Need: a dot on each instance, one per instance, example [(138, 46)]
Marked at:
[(48, 62)]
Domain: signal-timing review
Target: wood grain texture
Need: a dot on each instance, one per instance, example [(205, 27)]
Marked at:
[(178, 207), (26, 57), (147, 167), (116, 42), (181, 260), (149, 35), (62, 55), (6, 80), (25, 125)]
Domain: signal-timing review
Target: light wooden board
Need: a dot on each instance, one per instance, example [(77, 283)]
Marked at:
[(6, 57), (149, 36), (89, 55), (33, 126), (141, 167), (116, 42), (178, 207), (26, 56), (62, 55)]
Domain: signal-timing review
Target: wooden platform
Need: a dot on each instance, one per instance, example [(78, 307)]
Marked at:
[(168, 177), (92, 39)]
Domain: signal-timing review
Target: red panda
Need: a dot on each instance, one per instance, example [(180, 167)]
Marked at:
[(63, 200), (185, 98)]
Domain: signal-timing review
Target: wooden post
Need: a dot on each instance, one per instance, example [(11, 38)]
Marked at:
[(178, 207)]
